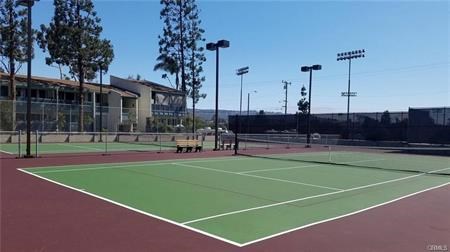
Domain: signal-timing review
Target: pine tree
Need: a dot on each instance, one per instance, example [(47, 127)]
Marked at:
[(180, 18), (179, 47), (72, 39), (13, 40), (196, 59), (303, 104)]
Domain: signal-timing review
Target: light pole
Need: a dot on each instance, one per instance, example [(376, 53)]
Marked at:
[(241, 72), (215, 47), (29, 4), (101, 102), (308, 119), (57, 109), (349, 56)]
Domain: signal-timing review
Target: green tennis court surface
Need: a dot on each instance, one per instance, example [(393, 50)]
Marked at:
[(242, 200), (54, 148)]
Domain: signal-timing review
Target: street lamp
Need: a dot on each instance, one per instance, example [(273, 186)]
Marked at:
[(241, 72), (215, 47), (349, 56), (29, 4), (308, 119)]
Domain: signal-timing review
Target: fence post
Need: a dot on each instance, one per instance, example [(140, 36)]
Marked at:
[(106, 142), (160, 143), (20, 144), (70, 118), (37, 140), (42, 116)]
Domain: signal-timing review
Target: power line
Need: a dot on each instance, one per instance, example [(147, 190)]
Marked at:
[(424, 67)]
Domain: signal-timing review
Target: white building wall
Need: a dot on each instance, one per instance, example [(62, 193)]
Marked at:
[(114, 111), (143, 101)]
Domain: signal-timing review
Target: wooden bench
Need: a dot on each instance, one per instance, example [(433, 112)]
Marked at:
[(227, 145), (189, 145)]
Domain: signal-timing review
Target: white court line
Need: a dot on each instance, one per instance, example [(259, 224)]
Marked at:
[(308, 166), (255, 176), (6, 152), (309, 197), (135, 209), (221, 238), (132, 164), (80, 147), (342, 216)]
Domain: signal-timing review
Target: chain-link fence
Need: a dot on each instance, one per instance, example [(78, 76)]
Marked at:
[(47, 116), (430, 125)]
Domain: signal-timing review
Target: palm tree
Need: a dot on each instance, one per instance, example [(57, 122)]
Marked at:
[(170, 65)]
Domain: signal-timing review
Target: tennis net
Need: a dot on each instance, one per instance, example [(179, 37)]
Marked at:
[(362, 154), (164, 140)]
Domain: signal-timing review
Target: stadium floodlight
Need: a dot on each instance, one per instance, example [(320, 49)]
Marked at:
[(29, 4), (215, 47), (211, 46), (349, 56), (309, 69), (241, 72)]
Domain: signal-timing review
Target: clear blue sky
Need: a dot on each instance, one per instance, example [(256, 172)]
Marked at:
[(407, 44)]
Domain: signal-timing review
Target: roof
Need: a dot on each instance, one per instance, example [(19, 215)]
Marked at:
[(93, 87), (155, 86)]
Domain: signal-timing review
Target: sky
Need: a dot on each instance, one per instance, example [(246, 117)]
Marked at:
[(406, 42)]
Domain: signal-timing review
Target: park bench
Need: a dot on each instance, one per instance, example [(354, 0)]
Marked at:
[(188, 145), (227, 145)]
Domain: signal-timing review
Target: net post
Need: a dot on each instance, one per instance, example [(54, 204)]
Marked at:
[(20, 144), (245, 142), (106, 142), (160, 143), (329, 153)]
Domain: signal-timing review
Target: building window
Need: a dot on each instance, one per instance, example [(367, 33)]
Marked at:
[(4, 91), (19, 92), (42, 94), (33, 93), (70, 96)]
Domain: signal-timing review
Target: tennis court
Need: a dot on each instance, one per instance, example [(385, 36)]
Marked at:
[(59, 143), (248, 198), (54, 148)]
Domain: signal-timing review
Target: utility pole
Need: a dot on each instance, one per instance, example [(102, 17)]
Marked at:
[(285, 87)]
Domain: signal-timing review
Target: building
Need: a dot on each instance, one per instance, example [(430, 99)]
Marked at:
[(55, 105), (158, 105)]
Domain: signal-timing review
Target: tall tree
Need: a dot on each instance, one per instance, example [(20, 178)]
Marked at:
[(180, 52), (180, 18), (196, 57), (72, 39), (13, 40), (303, 104)]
